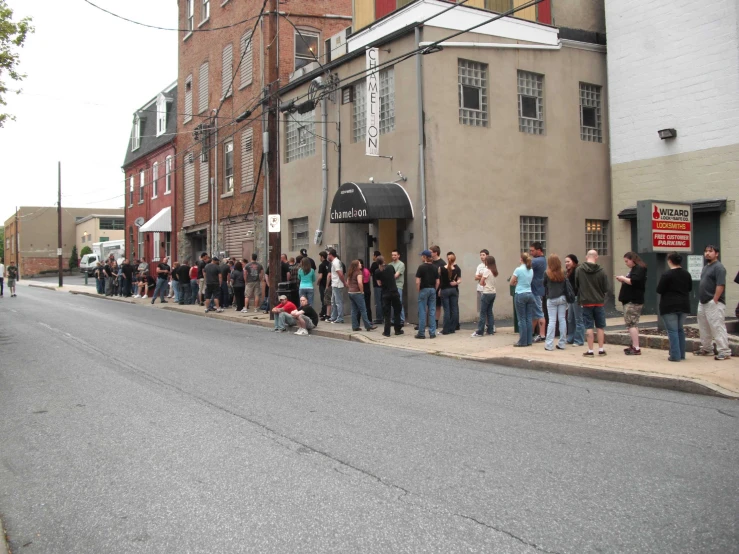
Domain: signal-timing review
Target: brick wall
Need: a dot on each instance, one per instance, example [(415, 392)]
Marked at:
[(34, 266)]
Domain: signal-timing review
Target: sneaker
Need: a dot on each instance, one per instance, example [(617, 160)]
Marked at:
[(539, 338), (432, 336), (219, 310), (721, 357), (420, 336), (702, 353), (632, 351), (476, 334), (560, 347), (603, 352), (386, 334), (401, 332), (589, 354), (206, 310), (244, 311), (256, 310), (165, 302), (298, 332)]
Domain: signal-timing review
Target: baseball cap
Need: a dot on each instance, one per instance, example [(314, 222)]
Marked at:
[(304, 252), (215, 259), (282, 297), (426, 253)]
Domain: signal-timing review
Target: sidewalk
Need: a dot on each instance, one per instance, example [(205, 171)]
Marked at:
[(701, 375)]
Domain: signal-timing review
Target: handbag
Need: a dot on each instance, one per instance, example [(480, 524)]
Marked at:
[(569, 292)]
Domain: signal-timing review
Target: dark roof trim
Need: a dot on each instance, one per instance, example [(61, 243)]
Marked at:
[(699, 206), (345, 58), (593, 37)]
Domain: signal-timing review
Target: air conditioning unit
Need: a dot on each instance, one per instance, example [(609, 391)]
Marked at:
[(337, 44), (307, 68)]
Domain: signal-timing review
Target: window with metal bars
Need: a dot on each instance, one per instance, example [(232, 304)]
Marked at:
[(473, 93), (300, 138), (530, 103), (298, 233), (590, 113), (596, 236), (387, 106), (533, 229)]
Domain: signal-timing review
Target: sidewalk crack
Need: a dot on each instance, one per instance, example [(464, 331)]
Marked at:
[(508, 533)]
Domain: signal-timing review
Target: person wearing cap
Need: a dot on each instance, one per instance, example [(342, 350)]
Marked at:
[(213, 281), (281, 311), (304, 253), (427, 281), (385, 276)]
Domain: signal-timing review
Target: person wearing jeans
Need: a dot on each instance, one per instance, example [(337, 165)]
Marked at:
[(377, 288), (524, 300), (307, 279), (427, 281), (555, 284), (355, 284), (487, 296), (575, 326), (338, 283), (449, 278), (674, 289)]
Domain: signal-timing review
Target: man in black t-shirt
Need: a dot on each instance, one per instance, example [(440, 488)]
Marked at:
[(162, 276), (183, 276), (109, 278), (284, 269), (324, 277), (225, 294), (213, 280), (376, 288), (204, 259), (304, 253), (127, 270), (427, 281), (385, 276)]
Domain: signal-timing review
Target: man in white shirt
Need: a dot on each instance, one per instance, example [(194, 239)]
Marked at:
[(399, 268), (337, 288), (2, 278), (478, 275)]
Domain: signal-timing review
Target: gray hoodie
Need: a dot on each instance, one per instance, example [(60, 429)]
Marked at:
[(592, 284)]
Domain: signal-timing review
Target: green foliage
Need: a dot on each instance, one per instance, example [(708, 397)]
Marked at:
[(12, 36), (74, 260), (85, 250)]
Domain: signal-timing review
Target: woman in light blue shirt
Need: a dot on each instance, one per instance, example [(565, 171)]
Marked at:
[(307, 276), (524, 300)]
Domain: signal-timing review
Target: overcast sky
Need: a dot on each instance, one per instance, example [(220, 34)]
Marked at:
[(87, 72)]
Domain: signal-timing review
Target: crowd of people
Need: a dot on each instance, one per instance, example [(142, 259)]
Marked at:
[(574, 294)]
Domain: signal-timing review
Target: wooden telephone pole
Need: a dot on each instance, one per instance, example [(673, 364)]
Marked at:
[(59, 229), (271, 177)]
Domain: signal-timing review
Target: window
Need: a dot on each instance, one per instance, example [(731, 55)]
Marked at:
[(247, 60), (530, 103), (141, 186), (387, 106), (141, 245), (136, 139), (130, 239), (205, 14), (228, 71), (500, 6), (154, 179), (247, 159), (298, 233), (188, 99), (112, 224), (190, 14), (300, 136), (204, 181), (473, 93), (228, 167), (83, 238), (168, 175), (596, 236), (533, 229), (306, 47), (203, 88), (130, 192), (161, 115), (590, 121), (168, 246)]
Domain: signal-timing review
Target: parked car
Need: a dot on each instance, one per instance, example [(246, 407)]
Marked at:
[(88, 263)]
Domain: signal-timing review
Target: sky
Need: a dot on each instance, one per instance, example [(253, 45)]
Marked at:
[(87, 73)]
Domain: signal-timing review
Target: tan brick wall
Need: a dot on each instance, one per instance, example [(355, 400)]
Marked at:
[(710, 173)]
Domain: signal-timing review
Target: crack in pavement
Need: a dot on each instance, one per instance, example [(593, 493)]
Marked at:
[(508, 533)]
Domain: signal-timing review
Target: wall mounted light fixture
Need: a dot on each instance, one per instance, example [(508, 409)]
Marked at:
[(667, 133)]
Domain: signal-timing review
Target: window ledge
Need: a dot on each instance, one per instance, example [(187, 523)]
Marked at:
[(202, 202), (154, 197), (227, 194), (166, 193), (187, 36), (242, 87), (203, 22), (225, 2), (141, 202), (249, 188), (130, 206)]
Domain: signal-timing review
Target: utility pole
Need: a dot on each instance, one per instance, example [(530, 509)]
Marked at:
[(59, 228), (269, 143), (15, 239)]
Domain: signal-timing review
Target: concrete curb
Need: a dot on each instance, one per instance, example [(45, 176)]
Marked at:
[(660, 343)]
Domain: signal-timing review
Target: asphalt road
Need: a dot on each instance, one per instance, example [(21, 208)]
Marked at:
[(130, 429)]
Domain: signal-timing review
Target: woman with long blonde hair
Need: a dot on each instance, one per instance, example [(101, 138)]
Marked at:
[(524, 299), (450, 277), (555, 284)]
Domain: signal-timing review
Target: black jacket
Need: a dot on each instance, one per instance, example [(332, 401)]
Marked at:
[(634, 293), (674, 289)]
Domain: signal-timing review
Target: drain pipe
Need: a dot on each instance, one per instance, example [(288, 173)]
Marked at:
[(215, 187), (318, 238), (421, 148)]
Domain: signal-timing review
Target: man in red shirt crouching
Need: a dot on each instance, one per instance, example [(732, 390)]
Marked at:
[(284, 308)]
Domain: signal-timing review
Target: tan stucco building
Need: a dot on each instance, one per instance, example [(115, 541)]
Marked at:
[(512, 148), (35, 244), (98, 228)]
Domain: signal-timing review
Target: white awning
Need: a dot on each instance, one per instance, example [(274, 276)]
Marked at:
[(160, 223)]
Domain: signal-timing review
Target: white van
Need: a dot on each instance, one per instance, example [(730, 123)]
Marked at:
[(88, 263)]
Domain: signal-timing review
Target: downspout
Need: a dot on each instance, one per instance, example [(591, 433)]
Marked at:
[(215, 189), (421, 147), (318, 239)]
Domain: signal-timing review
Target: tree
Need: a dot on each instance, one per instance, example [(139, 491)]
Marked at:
[(85, 250), (74, 261), (12, 36)]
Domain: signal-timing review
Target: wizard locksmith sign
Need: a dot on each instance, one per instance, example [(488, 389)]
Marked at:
[(664, 226)]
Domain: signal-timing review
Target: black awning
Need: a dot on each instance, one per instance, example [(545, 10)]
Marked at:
[(366, 202), (699, 206)]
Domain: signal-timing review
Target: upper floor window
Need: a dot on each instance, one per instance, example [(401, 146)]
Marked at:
[(168, 175), (530, 103), (228, 71), (161, 114), (306, 47), (247, 60), (141, 186), (300, 136), (228, 166), (387, 105), (203, 88), (590, 116), (154, 179), (188, 99), (190, 15), (206, 10), (136, 139), (473, 93), (112, 224), (130, 192)]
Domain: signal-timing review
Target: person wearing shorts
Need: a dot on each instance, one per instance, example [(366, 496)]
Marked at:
[(11, 275), (592, 286), (631, 296), (213, 279), (539, 265), (254, 276)]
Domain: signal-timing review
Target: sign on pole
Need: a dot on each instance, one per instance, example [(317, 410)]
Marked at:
[(664, 226), (273, 222), (372, 140)]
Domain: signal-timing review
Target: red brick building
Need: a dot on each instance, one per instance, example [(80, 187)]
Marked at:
[(220, 189), (150, 179)]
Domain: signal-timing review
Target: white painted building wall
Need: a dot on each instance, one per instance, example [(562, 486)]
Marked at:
[(672, 64)]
